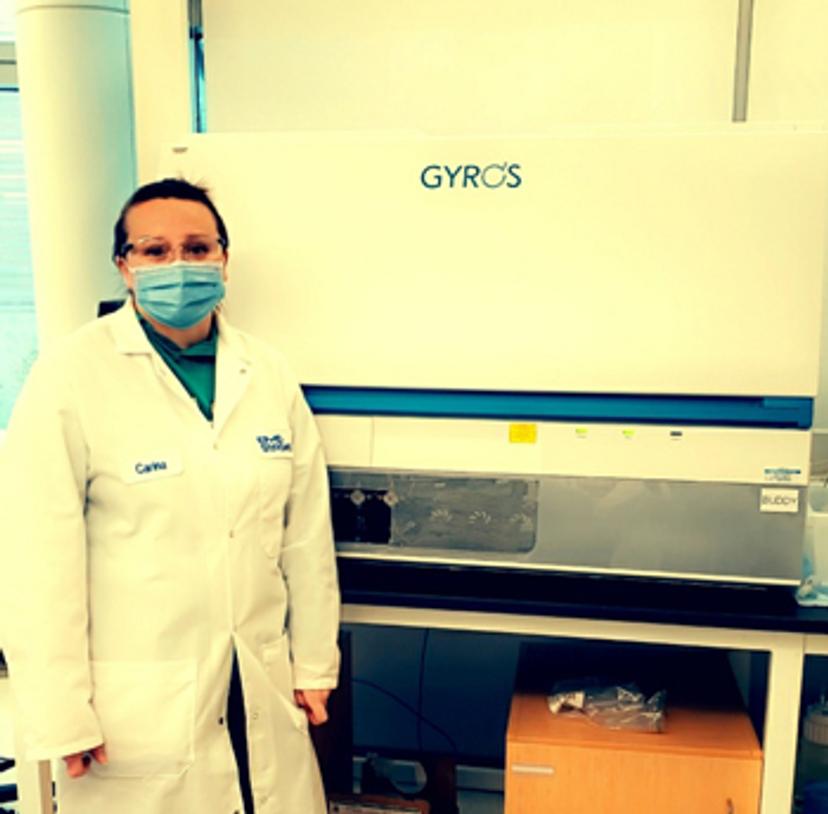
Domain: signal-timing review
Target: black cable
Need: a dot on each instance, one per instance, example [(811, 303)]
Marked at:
[(420, 690), (411, 709)]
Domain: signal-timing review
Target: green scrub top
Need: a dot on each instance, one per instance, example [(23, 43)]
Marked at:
[(194, 367)]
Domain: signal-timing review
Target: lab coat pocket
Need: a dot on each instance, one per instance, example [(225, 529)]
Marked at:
[(146, 710), (276, 659), (275, 474)]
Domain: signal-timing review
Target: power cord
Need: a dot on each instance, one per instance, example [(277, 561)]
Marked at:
[(411, 709)]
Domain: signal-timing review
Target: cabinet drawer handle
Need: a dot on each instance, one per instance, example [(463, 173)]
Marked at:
[(532, 768)]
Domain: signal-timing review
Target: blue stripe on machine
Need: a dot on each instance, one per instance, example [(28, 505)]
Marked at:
[(795, 413)]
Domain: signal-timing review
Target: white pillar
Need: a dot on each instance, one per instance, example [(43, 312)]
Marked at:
[(74, 72)]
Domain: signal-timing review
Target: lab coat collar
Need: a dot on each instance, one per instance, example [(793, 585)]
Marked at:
[(233, 365), (230, 339), (130, 337), (127, 331)]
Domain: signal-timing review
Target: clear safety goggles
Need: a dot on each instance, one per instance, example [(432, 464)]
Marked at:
[(157, 251)]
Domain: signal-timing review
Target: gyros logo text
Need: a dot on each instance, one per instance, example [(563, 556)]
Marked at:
[(491, 176)]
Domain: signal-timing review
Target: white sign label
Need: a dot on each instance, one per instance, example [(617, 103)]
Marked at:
[(779, 500)]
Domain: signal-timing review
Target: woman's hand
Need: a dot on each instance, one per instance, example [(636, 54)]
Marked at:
[(313, 702), (77, 765)]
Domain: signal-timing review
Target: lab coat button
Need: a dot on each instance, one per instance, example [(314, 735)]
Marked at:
[(255, 715), (221, 721), (231, 534)]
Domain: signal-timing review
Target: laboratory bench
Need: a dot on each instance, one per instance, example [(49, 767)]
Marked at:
[(597, 608), (735, 618), (535, 592)]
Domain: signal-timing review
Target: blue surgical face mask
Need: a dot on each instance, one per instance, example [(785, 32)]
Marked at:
[(179, 294)]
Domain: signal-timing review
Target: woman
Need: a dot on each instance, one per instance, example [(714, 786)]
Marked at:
[(166, 518)]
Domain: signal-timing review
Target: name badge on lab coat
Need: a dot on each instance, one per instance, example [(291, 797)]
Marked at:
[(275, 444), (152, 467)]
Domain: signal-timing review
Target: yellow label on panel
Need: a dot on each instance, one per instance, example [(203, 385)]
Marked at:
[(523, 433)]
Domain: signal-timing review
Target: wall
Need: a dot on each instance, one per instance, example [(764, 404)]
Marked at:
[(465, 66)]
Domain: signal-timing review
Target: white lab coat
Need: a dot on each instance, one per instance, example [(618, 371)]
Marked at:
[(142, 543)]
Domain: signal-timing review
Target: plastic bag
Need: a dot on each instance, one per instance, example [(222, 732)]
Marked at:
[(814, 587), (616, 706)]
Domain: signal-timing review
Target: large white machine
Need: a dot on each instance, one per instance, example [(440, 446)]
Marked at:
[(593, 350)]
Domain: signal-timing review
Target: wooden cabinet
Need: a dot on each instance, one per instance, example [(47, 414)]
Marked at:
[(707, 761)]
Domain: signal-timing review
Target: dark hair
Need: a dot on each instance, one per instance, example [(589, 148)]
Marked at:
[(166, 188)]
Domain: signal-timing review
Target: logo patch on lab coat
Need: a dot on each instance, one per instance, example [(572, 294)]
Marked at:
[(152, 467), (275, 446)]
